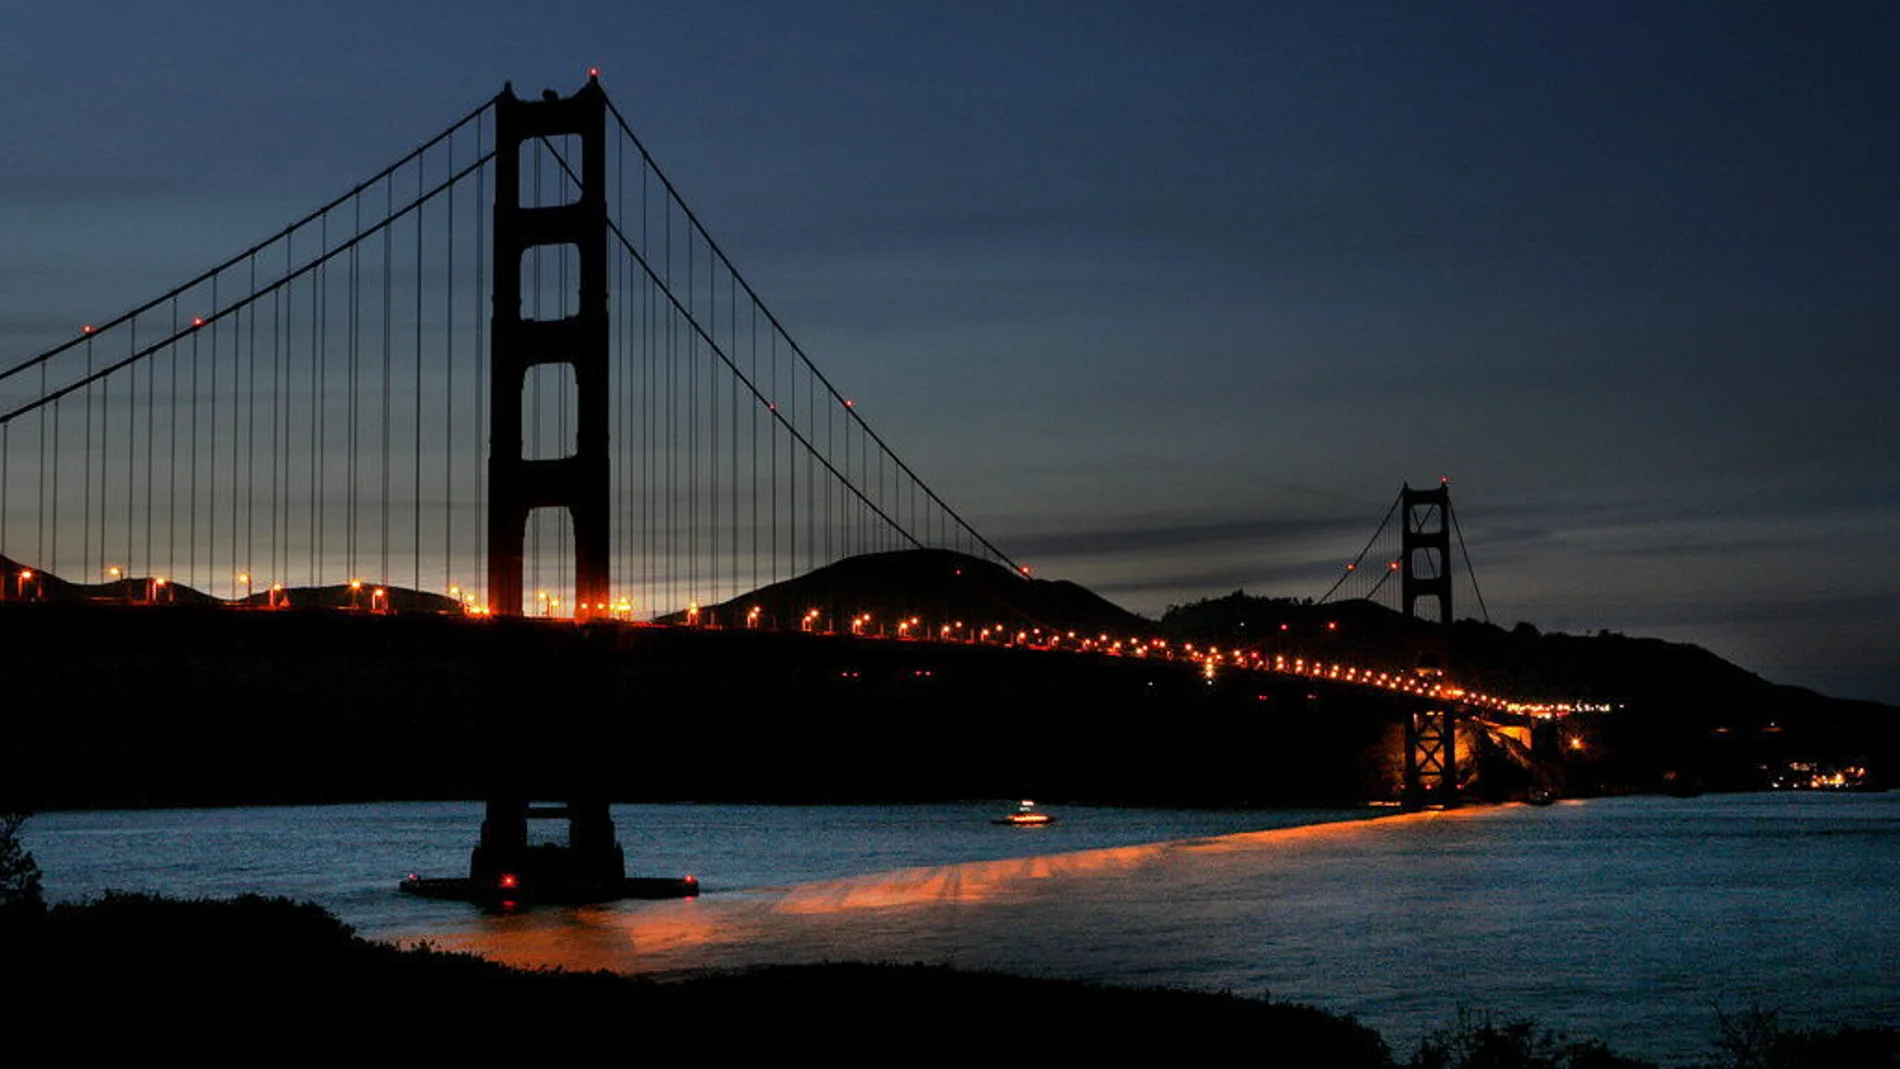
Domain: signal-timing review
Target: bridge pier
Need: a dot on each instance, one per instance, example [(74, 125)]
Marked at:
[(1431, 759), (590, 864), (549, 698)]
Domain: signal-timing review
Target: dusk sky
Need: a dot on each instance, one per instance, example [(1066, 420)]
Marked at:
[(1169, 299)]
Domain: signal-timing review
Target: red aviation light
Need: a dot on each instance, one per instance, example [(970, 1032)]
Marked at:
[(197, 321), (593, 72), (88, 329), (508, 881)]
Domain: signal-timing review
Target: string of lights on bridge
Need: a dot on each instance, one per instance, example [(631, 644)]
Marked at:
[(1211, 660)]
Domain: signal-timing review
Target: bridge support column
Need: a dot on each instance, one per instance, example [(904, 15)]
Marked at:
[(546, 708), (580, 482), (1431, 759)]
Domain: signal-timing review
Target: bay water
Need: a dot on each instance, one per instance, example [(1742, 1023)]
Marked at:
[(1639, 921)]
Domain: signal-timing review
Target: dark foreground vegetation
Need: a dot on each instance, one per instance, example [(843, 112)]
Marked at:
[(268, 981)]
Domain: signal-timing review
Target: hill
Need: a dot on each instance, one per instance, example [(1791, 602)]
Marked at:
[(936, 588), (39, 585), (1663, 714)]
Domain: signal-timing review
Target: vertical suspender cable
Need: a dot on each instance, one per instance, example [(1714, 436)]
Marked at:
[(40, 514), (415, 578), (105, 452), (85, 456), (619, 374), (481, 363), (191, 497), (277, 328), (753, 438), (712, 441), (151, 421), (319, 322), (649, 374), (671, 400), (52, 563), (389, 346), (772, 428), (211, 457), (355, 387), (171, 457), (732, 409), (1469, 570), (250, 441), (448, 394), (535, 517), (696, 419)]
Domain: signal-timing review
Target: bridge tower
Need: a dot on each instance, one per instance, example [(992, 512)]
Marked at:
[(592, 860), (581, 481), (1431, 739), (1425, 545)]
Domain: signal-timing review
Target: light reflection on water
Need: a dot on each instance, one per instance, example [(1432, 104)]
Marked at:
[(1632, 920)]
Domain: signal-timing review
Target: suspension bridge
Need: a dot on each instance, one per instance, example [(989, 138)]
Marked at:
[(513, 375), (313, 411)]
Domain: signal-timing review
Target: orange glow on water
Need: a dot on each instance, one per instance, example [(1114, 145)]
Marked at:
[(907, 914)]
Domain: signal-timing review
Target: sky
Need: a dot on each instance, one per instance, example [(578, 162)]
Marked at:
[(1169, 299)]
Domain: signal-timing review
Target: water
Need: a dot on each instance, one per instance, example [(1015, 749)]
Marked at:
[(1632, 920)]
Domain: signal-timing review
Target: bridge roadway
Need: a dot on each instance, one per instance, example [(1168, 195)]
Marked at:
[(116, 705)]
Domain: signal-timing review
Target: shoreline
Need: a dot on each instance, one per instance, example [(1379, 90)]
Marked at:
[(269, 963)]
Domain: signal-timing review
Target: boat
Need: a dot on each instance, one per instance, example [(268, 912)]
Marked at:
[(1025, 816)]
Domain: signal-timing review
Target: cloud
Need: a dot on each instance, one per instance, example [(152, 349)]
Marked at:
[(1171, 540)]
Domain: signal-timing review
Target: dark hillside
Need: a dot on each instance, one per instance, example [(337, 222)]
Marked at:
[(938, 588), (1677, 716)]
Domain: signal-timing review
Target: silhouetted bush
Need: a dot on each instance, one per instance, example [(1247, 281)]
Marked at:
[(1758, 1040), (19, 875), (1479, 1042), (228, 973)]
